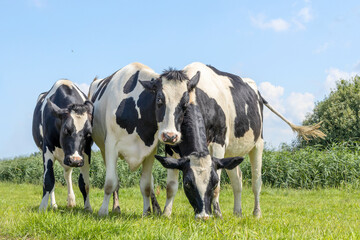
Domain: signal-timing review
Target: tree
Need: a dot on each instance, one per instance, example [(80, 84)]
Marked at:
[(339, 113)]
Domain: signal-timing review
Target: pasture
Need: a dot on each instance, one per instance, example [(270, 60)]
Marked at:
[(287, 214), (308, 193)]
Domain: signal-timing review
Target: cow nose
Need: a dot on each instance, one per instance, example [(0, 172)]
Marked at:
[(169, 137), (76, 158)]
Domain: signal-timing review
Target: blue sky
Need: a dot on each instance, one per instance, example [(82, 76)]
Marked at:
[(294, 50)]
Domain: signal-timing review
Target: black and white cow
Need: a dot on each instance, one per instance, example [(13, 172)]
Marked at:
[(62, 131), (125, 126), (199, 169), (232, 110)]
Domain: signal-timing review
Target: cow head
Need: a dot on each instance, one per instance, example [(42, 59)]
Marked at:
[(200, 178), (75, 131), (173, 91)]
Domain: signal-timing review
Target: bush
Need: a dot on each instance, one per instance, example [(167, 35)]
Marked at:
[(310, 167)]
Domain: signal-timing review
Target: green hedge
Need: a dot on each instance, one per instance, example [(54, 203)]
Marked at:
[(309, 168)]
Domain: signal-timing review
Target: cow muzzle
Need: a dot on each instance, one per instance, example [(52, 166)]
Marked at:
[(170, 138), (74, 161)]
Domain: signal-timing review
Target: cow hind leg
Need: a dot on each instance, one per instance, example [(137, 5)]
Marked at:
[(235, 176), (71, 196), (49, 179), (111, 178), (84, 183), (256, 164)]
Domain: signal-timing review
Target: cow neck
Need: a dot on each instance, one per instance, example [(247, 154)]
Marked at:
[(193, 132)]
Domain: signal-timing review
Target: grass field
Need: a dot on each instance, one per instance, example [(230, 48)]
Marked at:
[(287, 214)]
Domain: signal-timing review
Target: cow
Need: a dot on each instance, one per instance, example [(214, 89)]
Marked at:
[(125, 126), (232, 109), (199, 169), (61, 128)]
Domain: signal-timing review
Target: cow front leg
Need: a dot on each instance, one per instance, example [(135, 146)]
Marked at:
[(147, 187), (111, 178), (71, 196), (116, 206), (256, 164), (49, 179), (84, 183), (235, 176), (172, 185), (217, 151)]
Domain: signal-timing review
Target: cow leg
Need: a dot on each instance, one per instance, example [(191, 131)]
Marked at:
[(111, 178), (172, 185), (147, 187), (52, 200), (49, 179), (235, 176), (84, 183), (256, 163), (71, 196), (217, 151), (116, 206)]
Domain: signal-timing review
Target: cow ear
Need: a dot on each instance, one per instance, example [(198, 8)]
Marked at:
[(55, 110), (150, 85), (90, 107), (227, 163), (172, 163), (193, 81)]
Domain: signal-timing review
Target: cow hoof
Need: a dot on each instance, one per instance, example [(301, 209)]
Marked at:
[(88, 209), (116, 210), (257, 213), (238, 213), (167, 213), (103, 213), (71, 202), (54, 206)]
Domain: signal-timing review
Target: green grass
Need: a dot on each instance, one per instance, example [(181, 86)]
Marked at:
[(287, 214)]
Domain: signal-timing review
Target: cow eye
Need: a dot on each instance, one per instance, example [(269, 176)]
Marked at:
[(159, 102)]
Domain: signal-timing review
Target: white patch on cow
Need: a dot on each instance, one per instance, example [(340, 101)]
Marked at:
[(79, 120), (48, 156), (246, 108), (40, 96), (201, 168), (41, 131), (59, 155), (173, 91), (251, 83)]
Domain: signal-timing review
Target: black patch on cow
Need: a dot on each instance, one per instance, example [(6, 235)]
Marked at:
[(193, 133), (243, 95), (170, 150), (173, 74), (128, 118), (82, 186), (160, 106), (102, 87), (146, 125), (49, 178), (214, 117), (37, 121), (131, 83), (126, 115), (180, 110)]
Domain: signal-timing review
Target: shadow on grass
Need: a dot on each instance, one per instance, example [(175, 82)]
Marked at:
[(79, 211)]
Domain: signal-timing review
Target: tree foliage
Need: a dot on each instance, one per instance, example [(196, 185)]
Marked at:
[(339, 113)]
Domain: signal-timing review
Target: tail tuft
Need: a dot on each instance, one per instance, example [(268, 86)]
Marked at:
[(309, 132)]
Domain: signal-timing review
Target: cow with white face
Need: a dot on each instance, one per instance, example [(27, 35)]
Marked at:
[(62, 131), (232, 111), (125, 126)]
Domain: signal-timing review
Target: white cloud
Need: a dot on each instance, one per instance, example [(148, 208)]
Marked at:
[(334, 74), (305, 14), (277, 25), (299, 104), (294, 107), (83, 87)]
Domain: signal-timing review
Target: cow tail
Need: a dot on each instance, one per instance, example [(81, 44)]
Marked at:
[(306, 132)]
